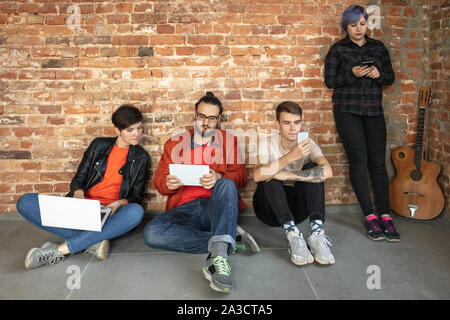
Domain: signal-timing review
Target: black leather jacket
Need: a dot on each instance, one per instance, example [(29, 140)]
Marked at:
[(135, 171)]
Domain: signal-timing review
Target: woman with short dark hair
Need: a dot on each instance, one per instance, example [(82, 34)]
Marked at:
[(114, 170), (357, 67)]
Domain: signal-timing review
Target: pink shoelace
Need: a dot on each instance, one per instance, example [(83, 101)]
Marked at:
[(373, 223), (388, 222)]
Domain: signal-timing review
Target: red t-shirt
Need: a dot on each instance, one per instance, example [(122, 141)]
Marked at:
[(108, 190), (193, 192)]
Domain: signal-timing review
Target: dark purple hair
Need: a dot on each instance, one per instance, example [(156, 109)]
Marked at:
[(352, 15)]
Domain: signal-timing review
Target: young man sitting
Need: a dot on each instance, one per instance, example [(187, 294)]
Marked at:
[(203, 219), (290, 188)]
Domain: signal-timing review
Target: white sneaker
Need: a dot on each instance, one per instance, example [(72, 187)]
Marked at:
[(99, 249), (318, 243), (298, 249), (47, 254)]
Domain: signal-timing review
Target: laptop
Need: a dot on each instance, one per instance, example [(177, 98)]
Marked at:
[(72, 213)]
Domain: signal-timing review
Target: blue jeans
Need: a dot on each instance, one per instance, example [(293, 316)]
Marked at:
[(194, 226), (126, 218)]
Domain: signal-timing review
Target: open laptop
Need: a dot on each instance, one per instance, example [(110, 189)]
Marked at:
[(72, 213)]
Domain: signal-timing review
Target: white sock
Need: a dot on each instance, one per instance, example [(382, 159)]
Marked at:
[(316, 226), (290, 226)]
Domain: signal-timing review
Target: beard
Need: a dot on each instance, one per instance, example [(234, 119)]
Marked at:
[(204, 131)]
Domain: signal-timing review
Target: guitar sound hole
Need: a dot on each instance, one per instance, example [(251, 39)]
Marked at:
[(401, 155), (416, 175)]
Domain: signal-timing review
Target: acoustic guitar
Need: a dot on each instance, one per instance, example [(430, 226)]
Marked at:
[(414, 192)]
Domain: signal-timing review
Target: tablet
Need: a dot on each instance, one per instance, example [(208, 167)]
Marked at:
[(189, 174)]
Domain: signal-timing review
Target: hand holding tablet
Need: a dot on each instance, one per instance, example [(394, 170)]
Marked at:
[(173, 182), (184, 174), (209, 180)]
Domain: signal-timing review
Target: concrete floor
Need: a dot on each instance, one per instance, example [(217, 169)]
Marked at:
[(418, 267)]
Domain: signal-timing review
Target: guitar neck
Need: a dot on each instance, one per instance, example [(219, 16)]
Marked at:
[(418, 148)]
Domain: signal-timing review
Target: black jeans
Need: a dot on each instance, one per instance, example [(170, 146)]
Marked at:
[(364, 140), (275, 204)]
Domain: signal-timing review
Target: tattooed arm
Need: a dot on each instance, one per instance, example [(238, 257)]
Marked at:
[(319, 173), (273, 170)]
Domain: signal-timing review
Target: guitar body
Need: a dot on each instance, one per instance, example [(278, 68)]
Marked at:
[(413, 187)]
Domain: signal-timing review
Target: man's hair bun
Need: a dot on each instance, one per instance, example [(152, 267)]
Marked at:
[(210, 98)]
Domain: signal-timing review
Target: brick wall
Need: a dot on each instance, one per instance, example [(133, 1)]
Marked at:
[(61, 78), (440, 75)]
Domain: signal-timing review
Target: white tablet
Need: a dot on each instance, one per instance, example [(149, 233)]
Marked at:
[(189, 174)]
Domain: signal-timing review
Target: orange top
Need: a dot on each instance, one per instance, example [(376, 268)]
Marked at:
[(108, 190), (232, 166)]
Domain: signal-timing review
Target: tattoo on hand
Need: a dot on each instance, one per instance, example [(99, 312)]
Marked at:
[(316, 174)]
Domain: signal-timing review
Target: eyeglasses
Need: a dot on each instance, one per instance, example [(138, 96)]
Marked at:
[(201, 116)]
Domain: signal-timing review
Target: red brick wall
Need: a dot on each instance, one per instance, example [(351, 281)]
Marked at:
[(440, 72), (59, 85)]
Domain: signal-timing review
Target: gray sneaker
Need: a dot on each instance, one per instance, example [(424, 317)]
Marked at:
[(298, 249), (245, 242), (47, 254), (99, 249), (48, 244), (319, 244), (218, 272)]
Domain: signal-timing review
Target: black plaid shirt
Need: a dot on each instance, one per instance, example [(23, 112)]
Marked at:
[(363, 95)]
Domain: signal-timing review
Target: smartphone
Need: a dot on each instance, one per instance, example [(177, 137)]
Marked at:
[(302, 136), (368, 63)]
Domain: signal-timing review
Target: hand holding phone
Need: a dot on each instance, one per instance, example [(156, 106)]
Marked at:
[(361, 71), (368, 63), (302, 136), (300, 150)]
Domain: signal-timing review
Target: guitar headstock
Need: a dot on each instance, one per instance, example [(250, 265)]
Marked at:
[(424, 97)]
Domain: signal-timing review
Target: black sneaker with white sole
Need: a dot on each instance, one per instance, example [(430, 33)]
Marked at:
[(390, 233), (373, 228)]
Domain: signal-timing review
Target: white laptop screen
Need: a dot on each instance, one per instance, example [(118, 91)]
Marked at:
[(70, 213)]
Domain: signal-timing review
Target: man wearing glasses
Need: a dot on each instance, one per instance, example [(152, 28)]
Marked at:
[(203, 219)]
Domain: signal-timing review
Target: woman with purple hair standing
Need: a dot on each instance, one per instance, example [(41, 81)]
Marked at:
[(357, 67)]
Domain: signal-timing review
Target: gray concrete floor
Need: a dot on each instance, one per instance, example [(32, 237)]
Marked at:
[(418, 267)]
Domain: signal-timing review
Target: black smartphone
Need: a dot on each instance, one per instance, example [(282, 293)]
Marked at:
[(368, 63)]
